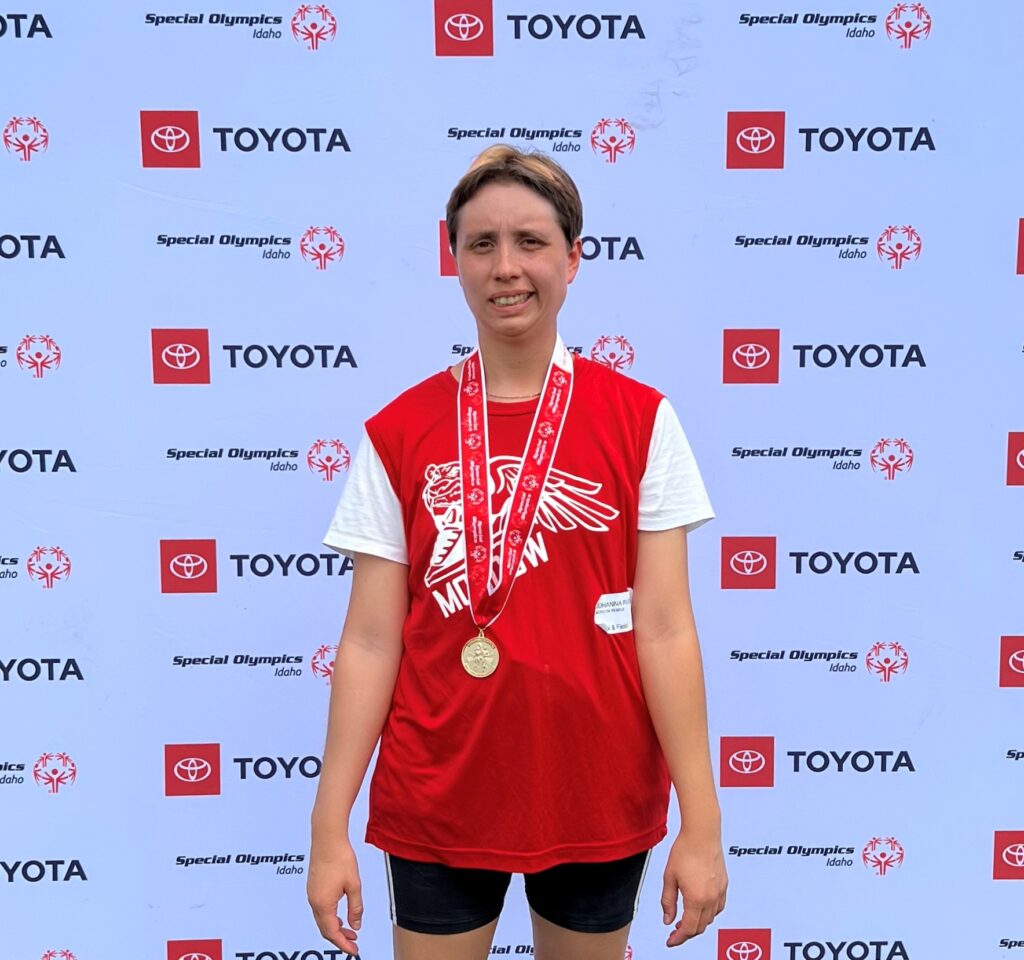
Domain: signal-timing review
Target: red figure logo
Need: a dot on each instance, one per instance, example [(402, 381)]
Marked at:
[(750, 356), (181, 356), (463, 28), (1015, 460), (54, 770), (754, 944), (882, 854), (188, 566), (612, 139), (898, 246), (1020, 247), (170, 138), (755, 140), (886, 659), (1008, 856), (195, 950), (747, 762), (25, 136), (614, 352), (447, 259), (1011, 661), (328, 457), (192, 769), (48, 565), (321, 246), (908, 22), (38, 353), (890, 457), (322, 662), (58, 955), (748, 563), (313, 23)]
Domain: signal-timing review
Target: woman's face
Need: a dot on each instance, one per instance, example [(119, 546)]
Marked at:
[(514, 263)]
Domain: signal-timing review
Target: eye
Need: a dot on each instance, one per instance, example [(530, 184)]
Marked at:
[(532, 242)]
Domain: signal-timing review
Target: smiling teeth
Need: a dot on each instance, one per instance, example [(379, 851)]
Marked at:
[(511, 301)]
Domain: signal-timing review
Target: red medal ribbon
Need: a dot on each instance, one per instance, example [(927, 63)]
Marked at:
[(490, 583)]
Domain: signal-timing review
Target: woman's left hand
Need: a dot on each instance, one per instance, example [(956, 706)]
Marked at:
[(695, 869)]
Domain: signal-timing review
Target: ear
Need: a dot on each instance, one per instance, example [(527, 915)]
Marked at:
[(575, 255)]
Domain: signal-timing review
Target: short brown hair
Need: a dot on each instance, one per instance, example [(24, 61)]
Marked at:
[(504, 164)]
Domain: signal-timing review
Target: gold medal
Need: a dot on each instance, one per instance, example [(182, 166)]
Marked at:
[(480, 656)]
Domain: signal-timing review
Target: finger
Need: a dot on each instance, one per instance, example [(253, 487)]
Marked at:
[(689, 925), (354, 894), (331, 929), (669, 899)]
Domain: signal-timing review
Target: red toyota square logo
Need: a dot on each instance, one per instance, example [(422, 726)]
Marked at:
[(1011, 661), (755, 140), (748, 563), (181, 356), (170, 138), (448, 268), (745, 944), (1008, 856), (1020, 247), (463, 28), (750, 356), (192, 769), (194, 950), (747, 762), (188, 566), (1015, 460)]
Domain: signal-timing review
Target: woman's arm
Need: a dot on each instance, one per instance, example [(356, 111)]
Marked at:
[(673, 680), (365, 670)]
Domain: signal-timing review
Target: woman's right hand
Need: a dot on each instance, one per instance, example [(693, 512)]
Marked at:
[(334, 874)]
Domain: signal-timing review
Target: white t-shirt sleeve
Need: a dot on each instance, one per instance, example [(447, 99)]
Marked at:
[(369, 517), (672, 492)]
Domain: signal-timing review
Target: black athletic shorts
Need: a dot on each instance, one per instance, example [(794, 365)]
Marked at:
[(586, 897)]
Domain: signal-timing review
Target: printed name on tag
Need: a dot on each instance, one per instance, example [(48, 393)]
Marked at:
[(614, 612)]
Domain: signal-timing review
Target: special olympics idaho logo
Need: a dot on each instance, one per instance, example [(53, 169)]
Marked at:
[(26, 137), (54, 770), (612, 139), (328, 458), (908, 22), (887, 659), (313, 24), (614, 352), (38, 353), (321, 246), (898, 246), (58, 955), (890, 457), (882, 854), (321, 664), (48, 565)]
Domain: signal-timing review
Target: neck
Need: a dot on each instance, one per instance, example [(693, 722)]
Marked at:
[(516, 369)]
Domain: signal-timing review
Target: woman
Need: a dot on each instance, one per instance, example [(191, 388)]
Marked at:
[(519, 634)]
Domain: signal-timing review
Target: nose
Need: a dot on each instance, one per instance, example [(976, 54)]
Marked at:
[(506, 263)]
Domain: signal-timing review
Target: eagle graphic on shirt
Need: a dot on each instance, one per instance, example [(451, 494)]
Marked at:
[(567, 502)]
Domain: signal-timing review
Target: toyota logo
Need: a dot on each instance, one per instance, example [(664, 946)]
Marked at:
[(744, 950), (192, 769), (1013, 855), (194, 956), (1020, 458), (1016, 661), (463, 26), (748, 563), (180, 356), (751, 356), (755, 140), (746, 762), (188, 566), (170, 139)]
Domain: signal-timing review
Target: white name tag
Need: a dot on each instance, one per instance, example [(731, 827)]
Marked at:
[(614, 612)]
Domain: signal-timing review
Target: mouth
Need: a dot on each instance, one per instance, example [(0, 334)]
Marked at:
[(512, 300)]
